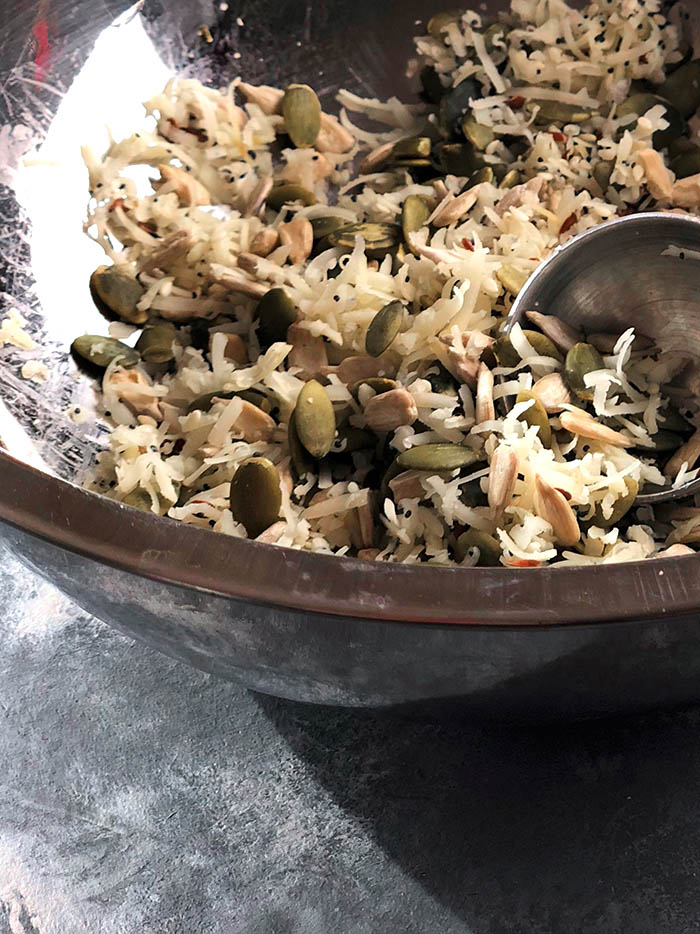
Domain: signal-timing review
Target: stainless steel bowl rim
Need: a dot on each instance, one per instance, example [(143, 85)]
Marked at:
[(165, 550)]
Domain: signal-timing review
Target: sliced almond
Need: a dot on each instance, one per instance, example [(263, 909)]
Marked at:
[(333, 137), (657, 176), (186, 187), (558, 331), (389, 410), (235, 280), (308, 352), (485, 410), (552, 392), (687, 453), (169, 251), (298, 235), (132, 389), (264, 242), (407, 485), (584, 425), (452, 209), (354, 368), (236, 349), (553, 507), (503, 472)]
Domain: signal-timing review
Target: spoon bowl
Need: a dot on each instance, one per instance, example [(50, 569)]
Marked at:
[(640, 271)]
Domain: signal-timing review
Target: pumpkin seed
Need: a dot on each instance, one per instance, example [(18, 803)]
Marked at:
[(433, 88), (454, 104), (556, 112), (443, 380), (602, 172), (440, 456), (686, 163), (379, 238), (536, 415), (379, 384), (640, 103), (101, 351), (276, 311), (496, 32), (671, 420), (489, 548), (322, 226), (156, 342), (510, 179), (440, 21), (665, 440), (288, 193), (315, 419), (414, 215), (511, 279), (117, 293), (383, 328), (581, 360), (679, 145), (457, 159), (620, 508), (351, 439), (413, 147), (302, 462), (302, 115), (482, 175), (682, 88), (256, 495), (477, 134), (204, 402), (507, 355)]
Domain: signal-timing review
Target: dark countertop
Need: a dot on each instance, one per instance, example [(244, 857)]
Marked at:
[(138, 796)]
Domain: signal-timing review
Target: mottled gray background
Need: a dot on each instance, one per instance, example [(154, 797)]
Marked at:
[(138, 796)]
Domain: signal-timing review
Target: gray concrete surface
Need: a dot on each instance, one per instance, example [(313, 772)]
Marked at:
[(140, 797)]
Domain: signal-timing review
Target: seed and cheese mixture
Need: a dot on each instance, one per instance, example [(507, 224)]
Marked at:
[(320, 361)]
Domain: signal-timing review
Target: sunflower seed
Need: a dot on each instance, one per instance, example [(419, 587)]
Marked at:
[(484, 395), (256, 496), (686, 454), (308, 351), (264, 242), (658, 178), (298, 235), (407, 485), (552, 392), (584, 425), (553, 507), (268, 99), (558, 331), (333, 137), (376, 159), (503, 473), (302, 115), (186, 187), (389, 410)]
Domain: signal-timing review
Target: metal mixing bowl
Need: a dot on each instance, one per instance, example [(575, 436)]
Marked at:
[(576, 641)]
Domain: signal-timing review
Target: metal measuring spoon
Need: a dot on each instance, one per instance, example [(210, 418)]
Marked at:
[(640, 271)]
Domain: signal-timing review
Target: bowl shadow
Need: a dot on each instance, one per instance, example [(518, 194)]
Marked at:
[(556, 828)]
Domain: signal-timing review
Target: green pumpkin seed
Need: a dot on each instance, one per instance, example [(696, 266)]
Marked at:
[(438, 457), (682, 88), (383, 328), (686, 163), (458, 159), (302, 462), (508, 356), (379, 384), (489, 548), (204, 402), (256, 495), (496, 32), (315, 419), (156, 342), (679, 145), (556, 112), (442, 380), (414, 147), (454, 104), (477, 134), (484, 174), (512, 279), (399, 258), (510, 179), (665, 440), (602, 172), (440, 22), (536, 415), (433, 88), (640, 103), (671, 420), (288, 193), (101, 351), (117, 293), (352, 439), (379, 238), (620, 507), (322, 226), (581, 360), (302, 115), (414, 215), (276, 312)]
